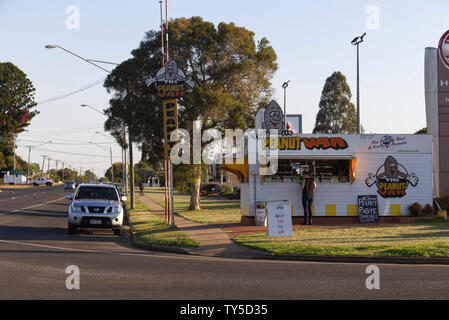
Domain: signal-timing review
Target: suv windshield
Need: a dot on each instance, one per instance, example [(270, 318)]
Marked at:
[(96, 193)]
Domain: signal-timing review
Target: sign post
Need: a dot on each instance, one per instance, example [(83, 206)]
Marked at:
[(170, 83)]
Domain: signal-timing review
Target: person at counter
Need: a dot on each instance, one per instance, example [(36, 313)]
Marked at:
[(308, 185)]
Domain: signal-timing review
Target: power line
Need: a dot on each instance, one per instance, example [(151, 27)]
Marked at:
[(68, 144), (73, 153), (71, 93)]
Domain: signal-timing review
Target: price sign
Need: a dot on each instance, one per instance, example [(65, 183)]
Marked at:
[(368, 209), (279, 219)]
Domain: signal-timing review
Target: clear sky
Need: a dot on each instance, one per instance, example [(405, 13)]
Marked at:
[(311, 39)]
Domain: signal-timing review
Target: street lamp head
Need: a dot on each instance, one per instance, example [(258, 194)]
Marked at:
[(84, 105), (285, 84), (354, 41), (51, 46), (358, 40)]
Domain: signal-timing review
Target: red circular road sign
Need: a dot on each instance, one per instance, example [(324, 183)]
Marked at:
[(443, 48)]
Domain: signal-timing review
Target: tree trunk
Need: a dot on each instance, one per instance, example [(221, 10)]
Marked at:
[(195, 194)]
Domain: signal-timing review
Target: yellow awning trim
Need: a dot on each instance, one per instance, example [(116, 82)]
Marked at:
[(352, 169), (239, 169)]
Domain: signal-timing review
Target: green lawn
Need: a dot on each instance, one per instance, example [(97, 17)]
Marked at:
[(420, 239), (150, 228), (213, 209)]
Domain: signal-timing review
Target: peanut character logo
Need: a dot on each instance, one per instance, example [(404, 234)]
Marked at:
[(392, 179), (273, 117)]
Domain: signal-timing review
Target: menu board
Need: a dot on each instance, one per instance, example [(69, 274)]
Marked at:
[(279, 218), (368, 209)]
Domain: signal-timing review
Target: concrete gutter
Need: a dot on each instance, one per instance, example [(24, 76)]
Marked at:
[(360, 259)]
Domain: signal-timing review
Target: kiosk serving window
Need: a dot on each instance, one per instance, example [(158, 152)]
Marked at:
[(290, 170)]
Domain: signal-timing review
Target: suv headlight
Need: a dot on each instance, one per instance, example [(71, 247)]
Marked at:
[(116, 209), (76, 208)]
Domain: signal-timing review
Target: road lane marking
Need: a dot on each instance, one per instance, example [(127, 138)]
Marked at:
[(34, 206)]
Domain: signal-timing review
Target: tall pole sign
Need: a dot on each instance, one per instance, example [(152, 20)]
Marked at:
[(170, 109), (170, 83)]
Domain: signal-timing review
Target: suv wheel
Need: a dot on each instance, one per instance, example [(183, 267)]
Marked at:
[(118, 231), (71, 229), (49, 184)]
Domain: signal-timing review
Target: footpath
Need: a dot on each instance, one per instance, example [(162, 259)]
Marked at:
[(214, 242)]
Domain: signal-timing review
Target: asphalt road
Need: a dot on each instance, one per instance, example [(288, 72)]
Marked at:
[(35, 251)]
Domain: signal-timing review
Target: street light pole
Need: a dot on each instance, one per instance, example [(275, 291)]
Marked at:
[(110, 153), (52, 46), (284, 86), (356, 41)]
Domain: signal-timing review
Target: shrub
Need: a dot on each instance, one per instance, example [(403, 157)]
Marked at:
[(416, 209), (428, 210)]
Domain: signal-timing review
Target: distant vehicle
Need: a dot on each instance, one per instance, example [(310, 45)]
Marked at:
[(96, 206), (210, 189), (78, 182), (41, 181), (69, 185)]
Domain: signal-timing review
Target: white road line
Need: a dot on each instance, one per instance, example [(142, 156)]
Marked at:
[(36, 205)]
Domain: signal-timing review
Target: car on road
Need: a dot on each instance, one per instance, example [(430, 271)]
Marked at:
[(42, 181), (96, 206), (210, 189), (69, 185)]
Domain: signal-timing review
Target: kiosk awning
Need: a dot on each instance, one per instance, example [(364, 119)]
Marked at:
[(241, 170)]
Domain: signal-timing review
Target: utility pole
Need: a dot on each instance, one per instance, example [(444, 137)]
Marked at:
[(28, 166), (125, 168), (43, 164), (112, 165), (131, 171), (14, 158), (48, 168)]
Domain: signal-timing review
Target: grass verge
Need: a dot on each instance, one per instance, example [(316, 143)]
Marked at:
[(420, 239), (213, 209), (150, 228)]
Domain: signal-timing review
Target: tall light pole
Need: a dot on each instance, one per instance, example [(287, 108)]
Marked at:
[(284, 86), (123, 160), (110, 153), (130, 139), (88, 106), (356, 41), (53, 46)]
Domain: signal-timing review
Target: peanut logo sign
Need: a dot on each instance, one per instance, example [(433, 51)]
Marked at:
[(392, 179), (170, 81)]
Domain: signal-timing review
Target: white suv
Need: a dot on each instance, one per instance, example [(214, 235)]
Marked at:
[(96, 206), (39, 181)]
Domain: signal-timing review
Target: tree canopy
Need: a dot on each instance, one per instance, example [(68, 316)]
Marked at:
[(16, 108), (230, 70), (336, 112)]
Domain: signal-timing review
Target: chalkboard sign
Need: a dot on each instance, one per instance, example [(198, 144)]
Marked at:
[(368, 209)]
